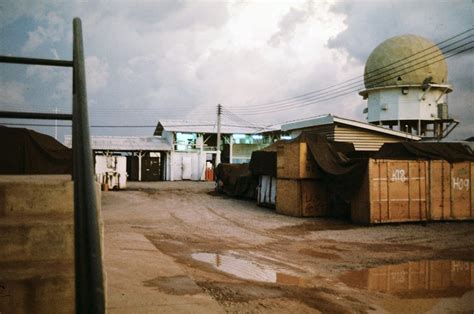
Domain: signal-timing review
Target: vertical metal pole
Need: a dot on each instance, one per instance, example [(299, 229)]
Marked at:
[(56, 125), (231, 144), (90, 295), (219, 113)]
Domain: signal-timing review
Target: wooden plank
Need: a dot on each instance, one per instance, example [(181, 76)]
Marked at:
[(461, 190), (295, 161), (301, 198)]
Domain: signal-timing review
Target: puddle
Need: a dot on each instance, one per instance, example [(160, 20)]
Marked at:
[(416, 280), (245, 269)]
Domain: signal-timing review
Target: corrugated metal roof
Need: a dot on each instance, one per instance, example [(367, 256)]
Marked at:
[(125, 143), (330, 119), (187, 126)]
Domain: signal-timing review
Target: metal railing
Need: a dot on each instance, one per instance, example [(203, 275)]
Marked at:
[(89, 283)]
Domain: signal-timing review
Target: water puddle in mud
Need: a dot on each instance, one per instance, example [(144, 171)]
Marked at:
[(246, 269), (421, 279)]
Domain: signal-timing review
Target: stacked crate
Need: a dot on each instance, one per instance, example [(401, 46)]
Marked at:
[(300, 189)]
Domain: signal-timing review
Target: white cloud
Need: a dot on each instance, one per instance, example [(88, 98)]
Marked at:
[(12, 95), (52, 31), (97, 73), (148, 60)]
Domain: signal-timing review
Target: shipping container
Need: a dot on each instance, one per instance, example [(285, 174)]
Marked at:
[(301, 198), (294, 161), (413, 190)]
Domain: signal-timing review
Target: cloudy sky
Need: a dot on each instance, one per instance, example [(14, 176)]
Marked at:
[(150, 60)]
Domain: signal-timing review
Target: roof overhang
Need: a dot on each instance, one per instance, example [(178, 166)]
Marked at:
[(330, 119)]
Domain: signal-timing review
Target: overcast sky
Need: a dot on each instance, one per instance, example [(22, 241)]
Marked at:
[(151, 60)]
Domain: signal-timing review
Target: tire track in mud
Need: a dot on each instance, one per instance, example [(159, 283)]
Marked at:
[(243, 226)]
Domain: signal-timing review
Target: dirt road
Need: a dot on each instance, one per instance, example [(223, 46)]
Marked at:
[(178, 247)]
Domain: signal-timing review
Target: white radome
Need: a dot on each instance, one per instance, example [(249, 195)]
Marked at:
[(405, 60)]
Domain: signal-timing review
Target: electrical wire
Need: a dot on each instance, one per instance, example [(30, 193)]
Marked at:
[(344, 91), (392, 65)]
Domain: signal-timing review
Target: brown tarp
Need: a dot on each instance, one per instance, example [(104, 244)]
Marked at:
[(452, 152), (28, 152), (264, 161), (236, 180)]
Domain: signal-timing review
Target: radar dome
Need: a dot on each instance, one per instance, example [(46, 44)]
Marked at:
[(405, 60)]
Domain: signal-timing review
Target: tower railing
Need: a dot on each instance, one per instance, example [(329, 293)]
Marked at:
[(89, 282)]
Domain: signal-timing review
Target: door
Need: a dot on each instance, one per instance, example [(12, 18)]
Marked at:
[(151, 168)]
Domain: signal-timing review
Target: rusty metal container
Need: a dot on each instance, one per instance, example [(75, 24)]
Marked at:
[(414, 190), (301, 198), (294, 161)]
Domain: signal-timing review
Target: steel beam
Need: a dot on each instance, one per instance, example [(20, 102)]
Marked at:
[(36, 61), (90, 292), (35, 115)]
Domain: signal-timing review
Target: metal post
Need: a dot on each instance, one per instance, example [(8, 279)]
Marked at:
[(140, 156), (231, 144), (90, 295), (218, 156), (56, 125)]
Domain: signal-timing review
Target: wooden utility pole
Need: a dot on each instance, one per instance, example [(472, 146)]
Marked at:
[(218, 155)]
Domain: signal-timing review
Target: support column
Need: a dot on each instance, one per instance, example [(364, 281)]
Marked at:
[(218, 155), (231, 143), (140, 155)]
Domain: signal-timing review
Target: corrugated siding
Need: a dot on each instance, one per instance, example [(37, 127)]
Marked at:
[(363, 139)]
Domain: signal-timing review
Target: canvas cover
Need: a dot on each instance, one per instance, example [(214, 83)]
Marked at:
[(236, 180), (28, 152), (264, 161), (451, 152)]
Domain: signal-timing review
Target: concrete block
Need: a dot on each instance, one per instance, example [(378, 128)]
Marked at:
[(47, 294), (36, 238), (26, 195)]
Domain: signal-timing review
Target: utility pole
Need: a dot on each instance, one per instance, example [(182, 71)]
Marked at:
[(56, 125), (218, 155)]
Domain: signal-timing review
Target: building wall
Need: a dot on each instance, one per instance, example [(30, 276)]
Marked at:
[(414, 104), (364, 140), (186, 165)]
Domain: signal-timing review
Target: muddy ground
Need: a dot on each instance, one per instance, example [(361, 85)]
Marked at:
[(179, 247)]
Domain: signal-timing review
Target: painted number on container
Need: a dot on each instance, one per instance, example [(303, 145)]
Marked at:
[(398, 175), (460, 184)]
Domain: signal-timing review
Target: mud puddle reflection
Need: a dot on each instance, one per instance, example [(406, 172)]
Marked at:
[(421, 279), (245, 269)]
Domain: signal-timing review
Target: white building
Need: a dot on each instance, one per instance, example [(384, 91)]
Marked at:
[(194, 145)]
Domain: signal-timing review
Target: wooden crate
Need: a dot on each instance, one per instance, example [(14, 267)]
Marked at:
[(414, 190), (392, 191), (301, 198), (294, 161), (451, 194)]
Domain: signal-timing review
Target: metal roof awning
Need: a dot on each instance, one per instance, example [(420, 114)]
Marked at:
[(126, 143), (185, 126), (330, 119)]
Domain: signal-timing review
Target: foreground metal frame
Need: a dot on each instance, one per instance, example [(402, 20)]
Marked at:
[(89, 282)]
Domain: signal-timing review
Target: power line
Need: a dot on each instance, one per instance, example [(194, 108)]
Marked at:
[(344, 91), (350, 87), (311, 94)]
